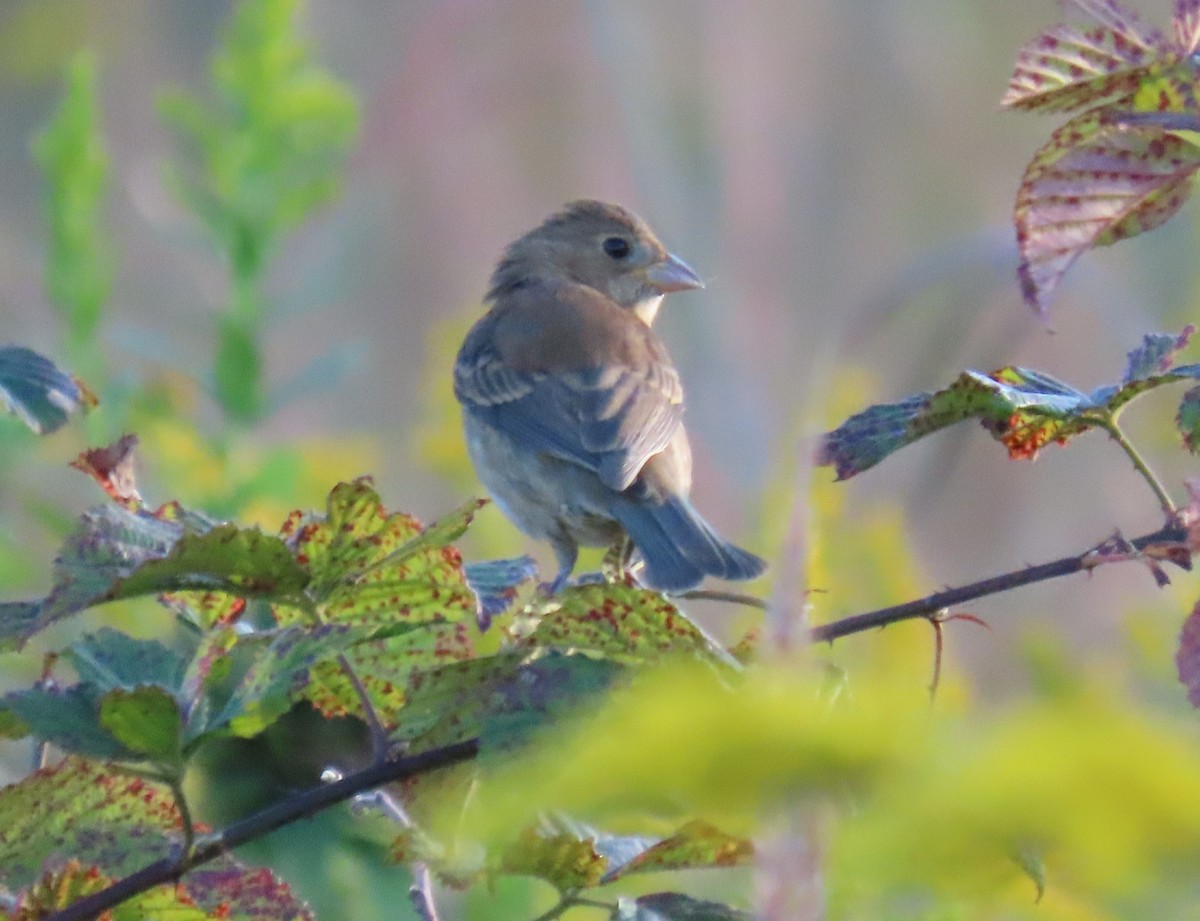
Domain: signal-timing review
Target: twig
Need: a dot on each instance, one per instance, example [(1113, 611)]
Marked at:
[(1110, 425), (261, 823), (707, 594), (924, 607), (379, 736)]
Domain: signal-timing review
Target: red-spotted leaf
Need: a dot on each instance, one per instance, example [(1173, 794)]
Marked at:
[(1068, 67), (367, 565), (40, 395), (81, 810), (563, 860), (624, 623), (1187, 657), (383, 666), (1094, 183), (502, 697), (1024, 410), (696, 845), (227, 888)]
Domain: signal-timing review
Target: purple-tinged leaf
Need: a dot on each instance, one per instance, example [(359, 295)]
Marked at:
[(495, 584), (1187, 657), (1066, 67), (1156, 354), (1187, 420), (1186, 25), (1092, 184)]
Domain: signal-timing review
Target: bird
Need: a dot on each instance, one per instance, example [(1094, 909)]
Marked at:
[(573, 409)]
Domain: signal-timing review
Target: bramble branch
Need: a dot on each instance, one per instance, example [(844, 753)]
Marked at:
[(1173, 537), (261, 823)]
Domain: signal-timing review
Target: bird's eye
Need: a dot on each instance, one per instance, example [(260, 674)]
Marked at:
[(616, 247)]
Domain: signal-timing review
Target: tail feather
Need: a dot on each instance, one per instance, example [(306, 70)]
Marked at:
[(680, 548)]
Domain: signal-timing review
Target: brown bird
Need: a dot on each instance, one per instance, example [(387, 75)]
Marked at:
[(572, 408)]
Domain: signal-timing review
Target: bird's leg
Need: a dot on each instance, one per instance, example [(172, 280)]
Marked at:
[(566, 551)]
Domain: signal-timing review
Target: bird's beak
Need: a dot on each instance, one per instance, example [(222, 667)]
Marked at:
[(672, 274)]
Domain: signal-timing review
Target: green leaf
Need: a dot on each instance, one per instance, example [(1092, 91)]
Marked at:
[(18, 622), (695, 845), (118, 553), (268, 144), (69, 719), (503, 697), (1187, 420), (623, 623), (110, 659), (37, 392), (237, 370), (1024, 410), (384, 666), (79, 270), (367, 565), (82, 810), (72, 829), (146, 720), (563, 860), (247, 563)]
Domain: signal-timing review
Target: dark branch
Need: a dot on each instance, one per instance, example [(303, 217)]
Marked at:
[(261, 823), (923, 607)]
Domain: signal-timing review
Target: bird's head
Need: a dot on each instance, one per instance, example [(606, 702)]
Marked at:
[(602, 246)]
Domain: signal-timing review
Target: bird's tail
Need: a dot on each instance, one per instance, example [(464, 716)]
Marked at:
[(680, 548)]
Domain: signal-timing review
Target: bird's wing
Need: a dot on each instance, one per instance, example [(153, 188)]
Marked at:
[(610, 415)]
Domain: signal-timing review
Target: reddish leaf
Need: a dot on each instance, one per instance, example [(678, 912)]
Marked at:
[(1094, 183), (1156, 354), (1187, 657), (112, 468), (1186, 25)]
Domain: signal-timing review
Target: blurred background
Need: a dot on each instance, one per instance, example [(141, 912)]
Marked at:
[(838, 171)]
